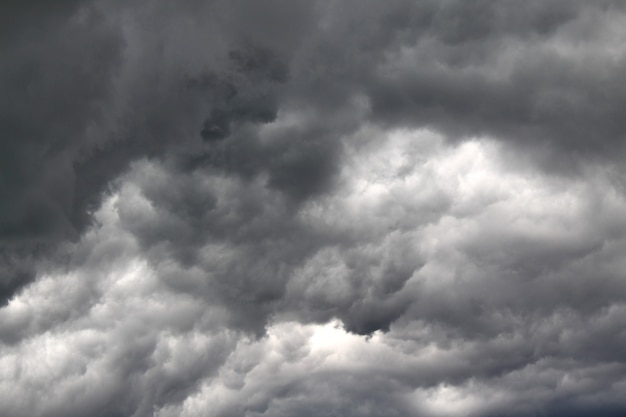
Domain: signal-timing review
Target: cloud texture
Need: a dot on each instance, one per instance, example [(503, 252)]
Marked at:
[(355, 208)]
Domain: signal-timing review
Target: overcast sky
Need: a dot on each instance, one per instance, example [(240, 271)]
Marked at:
[(350, 208)]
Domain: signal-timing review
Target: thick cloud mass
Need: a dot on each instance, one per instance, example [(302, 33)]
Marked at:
[(277, 208)]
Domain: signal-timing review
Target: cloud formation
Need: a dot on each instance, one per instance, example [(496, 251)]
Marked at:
[(312, 208)]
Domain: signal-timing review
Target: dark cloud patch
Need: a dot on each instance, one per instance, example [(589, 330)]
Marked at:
[(55, 88), (306, 169), (18, 268), (19, 18), (539, 106), (491, 68), (84, 105), (54, 74)]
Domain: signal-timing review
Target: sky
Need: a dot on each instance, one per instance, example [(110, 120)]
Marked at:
[(355, 208)]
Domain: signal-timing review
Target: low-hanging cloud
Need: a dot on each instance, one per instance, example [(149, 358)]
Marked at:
[(191, 296), (312, 208)]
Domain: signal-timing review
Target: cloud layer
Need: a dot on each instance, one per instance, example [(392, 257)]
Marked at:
[(312, 208)]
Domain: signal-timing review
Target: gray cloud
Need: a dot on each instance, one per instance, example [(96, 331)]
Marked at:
[(193, 296), (129, 82), (312, 208), (93, 88)]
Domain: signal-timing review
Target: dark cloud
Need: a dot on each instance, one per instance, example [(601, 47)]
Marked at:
[(95, 87), (88, 96), (312, 208), (533, 75)]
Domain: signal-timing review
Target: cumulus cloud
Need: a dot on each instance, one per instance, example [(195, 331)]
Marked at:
[(494, 289), (313, 208)]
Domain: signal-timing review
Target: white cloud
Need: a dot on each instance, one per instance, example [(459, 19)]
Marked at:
[(494, 271)]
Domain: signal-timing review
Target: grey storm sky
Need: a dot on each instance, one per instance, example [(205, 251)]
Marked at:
[(313, 208)]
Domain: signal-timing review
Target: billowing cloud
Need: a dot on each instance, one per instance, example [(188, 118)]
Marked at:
[(312, 208), (200, 293)]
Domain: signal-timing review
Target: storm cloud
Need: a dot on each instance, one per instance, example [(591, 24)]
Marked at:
[(356, 208)]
